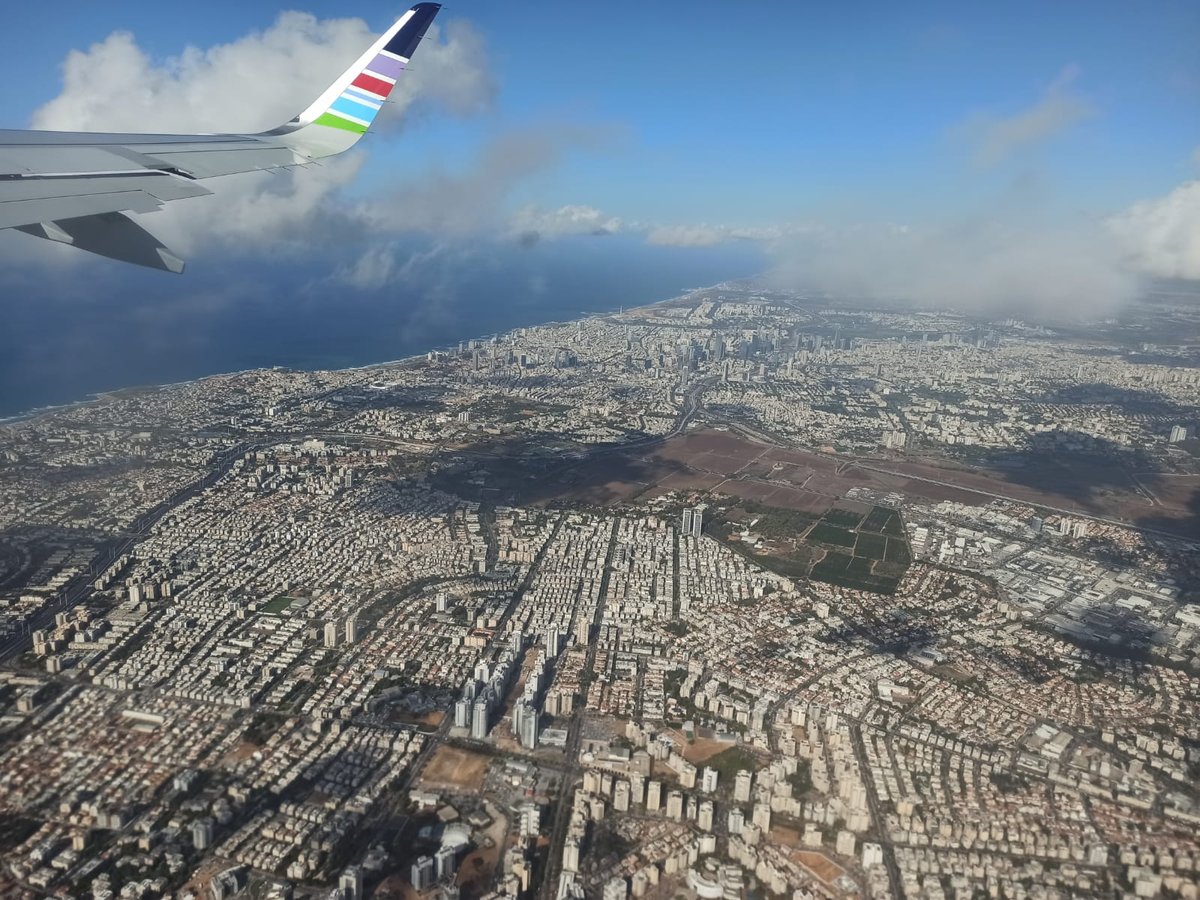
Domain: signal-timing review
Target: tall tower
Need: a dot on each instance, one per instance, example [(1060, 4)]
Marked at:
[(479, 720)]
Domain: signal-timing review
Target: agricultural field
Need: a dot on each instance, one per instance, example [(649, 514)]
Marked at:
[(862, 548)]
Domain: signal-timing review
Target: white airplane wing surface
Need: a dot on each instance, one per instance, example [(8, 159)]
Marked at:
[(78, 187)]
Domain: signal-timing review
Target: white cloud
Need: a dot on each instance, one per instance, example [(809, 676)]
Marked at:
[(1161, 237), (1016, 265), (474, 200), (687, 235), (531, 223), (255, 82), (372, 270), (995, 138), (252, 84), (711, 235)]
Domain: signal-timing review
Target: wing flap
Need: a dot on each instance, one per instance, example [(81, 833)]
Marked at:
[(27, 201), (208, 163)]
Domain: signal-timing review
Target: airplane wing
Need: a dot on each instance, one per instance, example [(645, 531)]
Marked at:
[(77, 188)]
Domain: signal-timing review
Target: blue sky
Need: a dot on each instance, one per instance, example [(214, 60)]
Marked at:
[(1017, 158), (753, 114)]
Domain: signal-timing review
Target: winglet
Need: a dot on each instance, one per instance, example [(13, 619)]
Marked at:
[(341, 115)]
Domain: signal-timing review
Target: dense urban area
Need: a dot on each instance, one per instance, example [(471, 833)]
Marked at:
[(745, 594)]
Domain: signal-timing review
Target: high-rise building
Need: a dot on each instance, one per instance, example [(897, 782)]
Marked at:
[(708, 780), (872, 854), (352, 630), (704, 817), (479, 720), (675, 805), (736, 821), (762, 816), (446, 862), (621, 796), (570, 857), (423, 873), (462, 713), (350, 884), (331, 634), (637, 788), (531, 820), (529, 734), (741, 786), (697, 522), (686, 524), (202, 834), (1178, 433), (654, 796)]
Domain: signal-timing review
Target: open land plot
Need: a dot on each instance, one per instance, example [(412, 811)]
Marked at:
[(732, 760), (456, 769)]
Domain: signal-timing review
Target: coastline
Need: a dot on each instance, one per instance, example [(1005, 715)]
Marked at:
[(99, 397)]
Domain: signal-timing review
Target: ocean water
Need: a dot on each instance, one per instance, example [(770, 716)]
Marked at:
[(102, 326)]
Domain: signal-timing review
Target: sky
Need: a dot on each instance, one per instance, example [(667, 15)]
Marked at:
[(1038, 158)]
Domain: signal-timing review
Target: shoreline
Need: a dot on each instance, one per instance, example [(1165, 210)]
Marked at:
[(99, 397)]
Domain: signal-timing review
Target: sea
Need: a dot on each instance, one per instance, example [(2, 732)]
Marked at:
[(103, 326)]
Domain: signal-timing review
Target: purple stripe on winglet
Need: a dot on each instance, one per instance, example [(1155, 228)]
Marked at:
[(385, 65)]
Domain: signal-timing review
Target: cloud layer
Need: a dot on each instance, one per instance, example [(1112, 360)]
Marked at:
[(1060, 106), (1161, 237), (988, 265)]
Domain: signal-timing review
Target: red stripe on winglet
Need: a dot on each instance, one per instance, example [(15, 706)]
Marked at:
[(374, 85)]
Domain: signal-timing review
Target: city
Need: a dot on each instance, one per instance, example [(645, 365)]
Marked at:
[(746, 593)]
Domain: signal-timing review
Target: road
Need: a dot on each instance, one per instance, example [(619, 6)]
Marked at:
[(889, 852)]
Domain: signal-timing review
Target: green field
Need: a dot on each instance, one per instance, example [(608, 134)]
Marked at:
[(729, 762), (843, 518), (882, 520), (825, 533), (871, 546), (276, 606), (897, 551), (843, 547), (854, 572)]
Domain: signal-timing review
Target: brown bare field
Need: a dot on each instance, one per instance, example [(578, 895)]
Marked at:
[(700, 750), (820, 865), (455, 769)]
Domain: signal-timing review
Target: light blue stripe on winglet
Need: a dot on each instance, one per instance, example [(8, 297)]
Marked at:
[(360, 110)]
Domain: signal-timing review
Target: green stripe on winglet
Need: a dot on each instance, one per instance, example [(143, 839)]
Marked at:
[(338, 122)]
